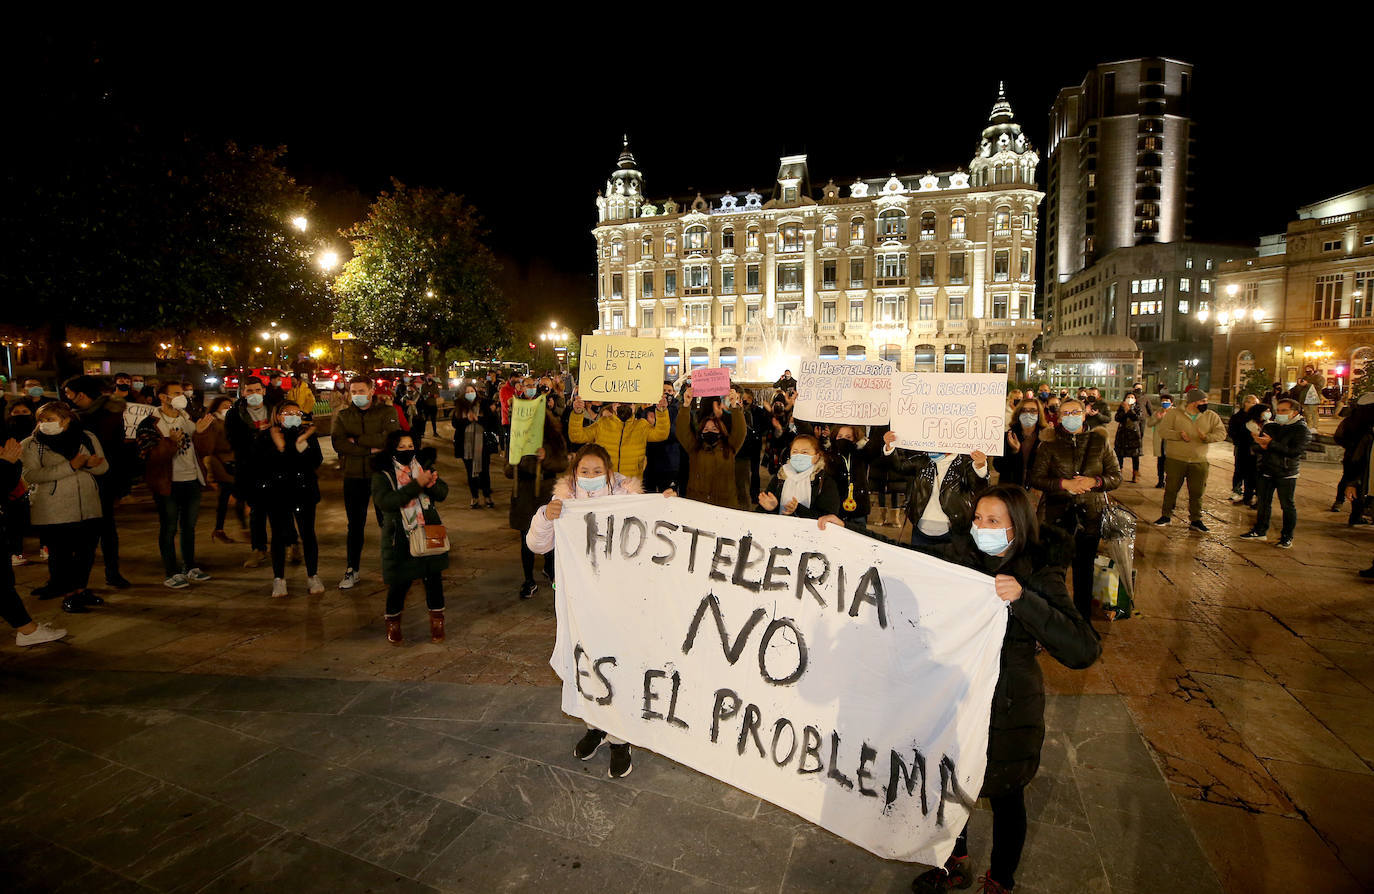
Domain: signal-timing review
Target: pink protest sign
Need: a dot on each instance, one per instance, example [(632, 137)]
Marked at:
[(710, 382)]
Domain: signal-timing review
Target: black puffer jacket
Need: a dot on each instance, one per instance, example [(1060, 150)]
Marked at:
[(959, 489), (1063, 455), (1283, 457)]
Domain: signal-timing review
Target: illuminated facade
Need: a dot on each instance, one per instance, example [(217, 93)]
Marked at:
[(932, 272)]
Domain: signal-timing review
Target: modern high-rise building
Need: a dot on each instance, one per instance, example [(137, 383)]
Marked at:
[(933, 272)]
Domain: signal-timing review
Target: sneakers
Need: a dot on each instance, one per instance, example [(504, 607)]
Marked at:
[(18, 559), (278, 587), (313, 585), (1198, 526), (1237, 496), (75, 605), (491, 504), (1253, 535), (1162, 521), (620, 762), (177, 582), (988, 885), (350, 580), (294, 554), (1286, 543), (255, 558), (587, 745), (1335, 507), (196, 576), (475, 505), (221, 537), (955, 874), (528, 589), (86, 597), (1159, 485), (45, 633)]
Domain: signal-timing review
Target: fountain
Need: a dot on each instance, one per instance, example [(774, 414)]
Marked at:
[(781, 347)]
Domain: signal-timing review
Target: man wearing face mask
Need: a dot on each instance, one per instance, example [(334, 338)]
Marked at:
[(620, 433), (1187, 432), (251, 414), (360, 430), (31, 394), (1281, 444), (97, 414), (1241, 428), (172, 469), (1166, 400)]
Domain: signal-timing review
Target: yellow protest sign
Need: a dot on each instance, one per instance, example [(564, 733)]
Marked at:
[(621, 368), (526, 428)]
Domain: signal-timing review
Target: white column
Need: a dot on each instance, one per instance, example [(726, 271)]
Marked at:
[(809, 274), (977, 294), (769, 276)]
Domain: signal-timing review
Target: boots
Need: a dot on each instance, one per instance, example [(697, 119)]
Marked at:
[(436, 626), (393, 629)]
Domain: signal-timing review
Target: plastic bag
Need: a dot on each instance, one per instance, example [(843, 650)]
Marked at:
[(1110, 589)]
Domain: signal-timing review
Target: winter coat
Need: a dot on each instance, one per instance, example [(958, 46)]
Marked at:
[(59, 494), (1129, 428), (287, 477), (663, 459), (1207, 429), (1014, 465), (624, 441), (1104, 414), (535, 478), (825, 496), (104, 418), (711, 470), (1152, 422), (356, 432), (1283, 457), (1237, 432), (1063, 455), (216, 453), (539, 538), (241, 429), (958, 491), (853, 470), (1356, 435), (159, 453), (398, 565), (488, 419)]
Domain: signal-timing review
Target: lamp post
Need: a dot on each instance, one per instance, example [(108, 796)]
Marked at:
[(277, 337), (557, 337)]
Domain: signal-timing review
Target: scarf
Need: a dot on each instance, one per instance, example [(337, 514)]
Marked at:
[(411, 516), (472, 441), (796, 487), (66, 444)]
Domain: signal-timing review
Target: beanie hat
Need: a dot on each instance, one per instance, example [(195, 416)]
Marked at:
[(1193, 394)]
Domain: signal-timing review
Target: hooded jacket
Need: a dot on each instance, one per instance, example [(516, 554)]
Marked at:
[(711, 470), (624, 441), (1283, 457), (539, 538)]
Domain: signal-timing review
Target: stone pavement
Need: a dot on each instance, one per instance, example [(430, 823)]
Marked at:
[(214, 739)]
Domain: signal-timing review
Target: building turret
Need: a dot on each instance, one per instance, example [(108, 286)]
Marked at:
[(1004, 155), (624, 190)]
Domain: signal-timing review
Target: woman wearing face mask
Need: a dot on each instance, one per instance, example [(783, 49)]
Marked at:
[(60, 463), (476, 438), (217, 460), (847, 463), (1241, 428), (1026, 563), (1074, 469), (592, 477), (1166, 400), (1022, 442), (1130, 429), (27, 631), (535, 478), (405, 489), (941, 489), (287, 457), (1052, 411), (711, 447), (801, 488), (19, 424)]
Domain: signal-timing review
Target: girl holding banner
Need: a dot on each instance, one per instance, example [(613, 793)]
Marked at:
[(801, 487)]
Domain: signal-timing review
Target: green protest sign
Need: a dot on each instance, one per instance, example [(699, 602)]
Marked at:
[(526, 428)]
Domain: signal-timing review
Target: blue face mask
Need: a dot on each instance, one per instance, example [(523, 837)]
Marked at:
[(35, 391), (254, 400), (290, 421), (530, 393), (1166, 404), (470, 395), (361, 401), (801, 463), (992, 541), (592, 485), (1282, 418), (1072, 424), (935, 457), (1029, 419)]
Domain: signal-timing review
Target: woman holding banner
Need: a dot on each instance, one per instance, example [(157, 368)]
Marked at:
[(937, 511), (1005, 543), (711, 449)]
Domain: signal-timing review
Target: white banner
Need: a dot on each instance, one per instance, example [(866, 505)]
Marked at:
[(856, 392), (950, 412), (133, 415), (841, 678)]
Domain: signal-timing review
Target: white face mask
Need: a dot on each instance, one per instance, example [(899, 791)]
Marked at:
[(178, 402), (223, 414), (50, 427)]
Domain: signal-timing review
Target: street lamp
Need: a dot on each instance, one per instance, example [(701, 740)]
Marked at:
[(300, 223), (277, 337), (329, 259)]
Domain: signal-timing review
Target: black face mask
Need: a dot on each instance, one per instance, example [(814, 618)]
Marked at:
[(404, 457), (844, 446), (122, 387), (21, 427), (1202, 408), (625, 413), (710, 438)]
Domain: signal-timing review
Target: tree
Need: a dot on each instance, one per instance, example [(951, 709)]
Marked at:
[(421, 276), (1256, 383)]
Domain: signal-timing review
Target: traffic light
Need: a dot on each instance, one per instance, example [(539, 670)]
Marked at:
[(531, 346)]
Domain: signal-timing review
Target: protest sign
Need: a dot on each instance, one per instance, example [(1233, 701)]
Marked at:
[(950, 412), (526, 428), (838, 391), (133, 415), (845, 679), (621, 368), (711, 382)]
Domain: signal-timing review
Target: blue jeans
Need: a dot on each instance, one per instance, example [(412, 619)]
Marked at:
[(178, 509), (1285, 488)]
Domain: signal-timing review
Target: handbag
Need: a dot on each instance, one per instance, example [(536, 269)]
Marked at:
[(428, 540)]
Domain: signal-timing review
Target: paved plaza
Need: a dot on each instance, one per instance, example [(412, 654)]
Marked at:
[(214, 739)]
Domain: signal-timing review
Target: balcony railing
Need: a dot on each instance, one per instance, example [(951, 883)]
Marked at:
[(886, 281), (856, 284)]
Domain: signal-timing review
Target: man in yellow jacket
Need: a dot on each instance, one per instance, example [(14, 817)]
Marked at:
[(1187, 432), (623, 434)]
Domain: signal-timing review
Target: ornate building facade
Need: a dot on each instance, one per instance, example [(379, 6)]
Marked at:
[(932, 272)]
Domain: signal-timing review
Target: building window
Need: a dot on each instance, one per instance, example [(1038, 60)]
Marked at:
[(727, 279), (789, 194), (646, 318), (617, 319), (694, 239), (790, 277), (670, 244), (669, 282), (1369, 240), (1331, 245), (617, 250), (1001, 262), (1360, 303), (1025, 271), (956, 268), (646, 284), (892, 224), (927, 226), (1326, 299), (727, 315), (999, 307), (891, 354), (956, 307), (698, 278), (1187, 263), (789, 313), (699, 316), (617, 286), (925, 308), (828, 274), (1208, 265), (751, 314), (1205, 285), (957, 222), (830, 232), (751, 239), (828, 314), (856, 310), (1026, 221), (997, 359), (791, 237), (670, 316), (751, 279), (891, 269), (646, 247), (856, 230), (890, 308), (856, 273), (1185, 284), (923, 359), (927, 270), (1183, 306), (1002, 223), (955, 359), (727, 239)]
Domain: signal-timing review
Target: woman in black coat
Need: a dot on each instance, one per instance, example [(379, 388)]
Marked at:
[(476, 437), (287, 457), (848, 464), (1005, 543), (935, 515), (1020, 443), (1240, 429), (1130, 431), (535, 476)]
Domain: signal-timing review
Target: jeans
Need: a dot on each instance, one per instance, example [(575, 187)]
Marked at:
[(285, 521), (1285, 488), (357, 493), (479, 475), (431, 415), (109, 534), (1243, 480), (11, 606), (257, 528), (527, 561), (434, 595), (1135, 463), (16, 524), (1175, 472), (1008, 837), (178, 509), (1159, 464)]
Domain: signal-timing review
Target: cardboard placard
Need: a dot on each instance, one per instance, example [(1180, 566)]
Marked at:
[(950, 412), (853, 392), (526, 428), (621, 368), (711, 381)]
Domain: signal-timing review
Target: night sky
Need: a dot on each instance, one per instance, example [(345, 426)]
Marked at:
[(528, 126)]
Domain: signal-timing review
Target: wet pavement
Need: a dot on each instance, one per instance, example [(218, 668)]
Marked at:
[(215, 739)]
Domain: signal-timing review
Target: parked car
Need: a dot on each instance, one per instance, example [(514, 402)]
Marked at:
[(327, 378), (386, 377), (266, 373)]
